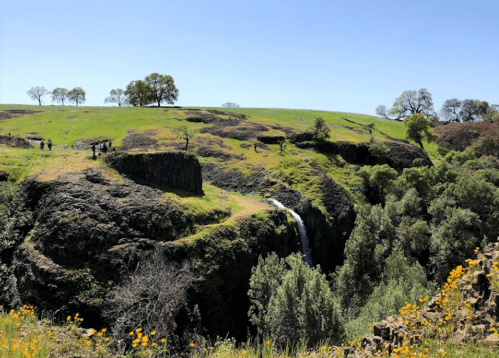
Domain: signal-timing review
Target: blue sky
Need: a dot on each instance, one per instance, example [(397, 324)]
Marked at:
[(347, 56)]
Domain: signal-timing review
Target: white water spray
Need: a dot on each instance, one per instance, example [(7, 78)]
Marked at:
[(307, 253)]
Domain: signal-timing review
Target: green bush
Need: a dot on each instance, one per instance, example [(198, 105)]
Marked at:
[(302, 308)]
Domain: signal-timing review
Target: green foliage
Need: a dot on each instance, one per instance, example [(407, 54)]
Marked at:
[(116, 96), (378, 149), (185, 133), (302, 306), (138, 93), (401, 282), (320, 130), (417, 128), (77, 96), (59, 94), (162, 88), (266, 277)]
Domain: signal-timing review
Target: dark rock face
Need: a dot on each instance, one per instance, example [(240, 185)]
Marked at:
[(276, 139), (340, 207), (355, 153), (401, 156), (81, 216), (176, 169), (14, 141), (92, 233), (4, 176)]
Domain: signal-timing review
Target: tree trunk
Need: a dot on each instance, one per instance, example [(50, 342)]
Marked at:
[(159, 103), (186, 143), (420, 143), (39, 101)]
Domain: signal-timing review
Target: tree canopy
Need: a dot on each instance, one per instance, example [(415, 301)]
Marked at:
[(77, 95), (59, 94), (36, 93), (468, 110), (409, 102), (116, 96), (162, 88), (155, 88), (417, 128)]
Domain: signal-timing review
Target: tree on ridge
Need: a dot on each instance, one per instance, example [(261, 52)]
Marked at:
[(409, 102), (36, 94), (77, 95), (59, 94), (116, 96)]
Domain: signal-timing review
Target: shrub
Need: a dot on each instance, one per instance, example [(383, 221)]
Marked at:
[(152, 298), (482, 136), (302, 308)]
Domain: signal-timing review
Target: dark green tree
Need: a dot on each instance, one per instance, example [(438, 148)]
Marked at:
[(162, 88), (139, 93), (320, 130)]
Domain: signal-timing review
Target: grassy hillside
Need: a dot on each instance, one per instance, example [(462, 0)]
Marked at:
[(67, 126)]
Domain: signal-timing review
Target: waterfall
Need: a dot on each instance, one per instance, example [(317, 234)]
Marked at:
[(307, 253)]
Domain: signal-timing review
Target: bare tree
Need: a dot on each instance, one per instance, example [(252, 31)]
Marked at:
[(36, 93), (59, 94), (470, 110), (450, 110), (151, 297), (230, 105), (116, 96), (409, 102)]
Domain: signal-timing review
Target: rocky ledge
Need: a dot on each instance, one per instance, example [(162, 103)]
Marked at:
[(179, 170), (466, 310)]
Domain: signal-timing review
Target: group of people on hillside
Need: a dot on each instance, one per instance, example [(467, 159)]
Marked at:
[(103, 148), (49, 144)]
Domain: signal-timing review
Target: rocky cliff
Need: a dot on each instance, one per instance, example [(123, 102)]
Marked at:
[(178, 170), (92, 232)]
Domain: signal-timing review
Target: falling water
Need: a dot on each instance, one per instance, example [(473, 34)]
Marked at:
[(307, 254)]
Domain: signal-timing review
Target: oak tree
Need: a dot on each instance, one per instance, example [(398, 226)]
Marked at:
[(116, 96), (77, 95), (162, 88), (59, 94), (409, 102), (36, 93)]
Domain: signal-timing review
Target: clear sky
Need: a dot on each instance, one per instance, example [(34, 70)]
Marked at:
[(346, 55)]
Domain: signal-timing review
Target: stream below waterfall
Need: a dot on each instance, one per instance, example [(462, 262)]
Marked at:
[(307, 253)]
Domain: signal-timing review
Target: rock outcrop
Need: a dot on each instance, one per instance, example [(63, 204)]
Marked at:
[(178, 170), (466, 310), (402, 156), (15, 141)]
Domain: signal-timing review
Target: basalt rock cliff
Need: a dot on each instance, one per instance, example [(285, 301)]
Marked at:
[(178, 170)]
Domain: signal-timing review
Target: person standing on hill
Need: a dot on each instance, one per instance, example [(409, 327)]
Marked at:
[(104, 148), (42, 144), (49, 144), (93, 150)]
